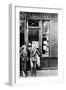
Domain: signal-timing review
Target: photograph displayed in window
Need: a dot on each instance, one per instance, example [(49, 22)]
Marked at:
[(38, 44)]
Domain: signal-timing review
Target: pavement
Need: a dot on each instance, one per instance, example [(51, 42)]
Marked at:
[(44, 73)]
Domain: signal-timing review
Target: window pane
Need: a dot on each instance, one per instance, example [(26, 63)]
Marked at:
[(34, 23), (33, 35)]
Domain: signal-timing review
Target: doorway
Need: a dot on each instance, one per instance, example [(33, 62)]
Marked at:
[(33, 35)]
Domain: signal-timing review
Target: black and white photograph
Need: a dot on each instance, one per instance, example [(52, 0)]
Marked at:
[(38, 44), (35, 45)]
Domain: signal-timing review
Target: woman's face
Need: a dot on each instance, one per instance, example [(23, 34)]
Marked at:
[(25, 47), (29, 48)]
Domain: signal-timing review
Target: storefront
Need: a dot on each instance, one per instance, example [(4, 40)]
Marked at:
[(41, 30)]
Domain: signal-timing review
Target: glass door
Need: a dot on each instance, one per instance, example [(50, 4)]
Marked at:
[(33, 33)]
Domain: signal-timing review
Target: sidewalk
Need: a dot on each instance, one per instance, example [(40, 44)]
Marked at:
[(45, 73)]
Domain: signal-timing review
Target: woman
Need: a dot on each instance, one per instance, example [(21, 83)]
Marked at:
[(24, 58)]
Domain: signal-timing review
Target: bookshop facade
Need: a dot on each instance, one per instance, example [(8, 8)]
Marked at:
[(41, 30)]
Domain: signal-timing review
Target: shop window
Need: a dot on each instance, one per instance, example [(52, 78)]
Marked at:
[(45, 38)]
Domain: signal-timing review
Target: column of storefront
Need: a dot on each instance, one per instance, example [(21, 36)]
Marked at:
[(26, 32), (40, 37)]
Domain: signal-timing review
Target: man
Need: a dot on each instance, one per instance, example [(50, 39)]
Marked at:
[(33, 61)]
